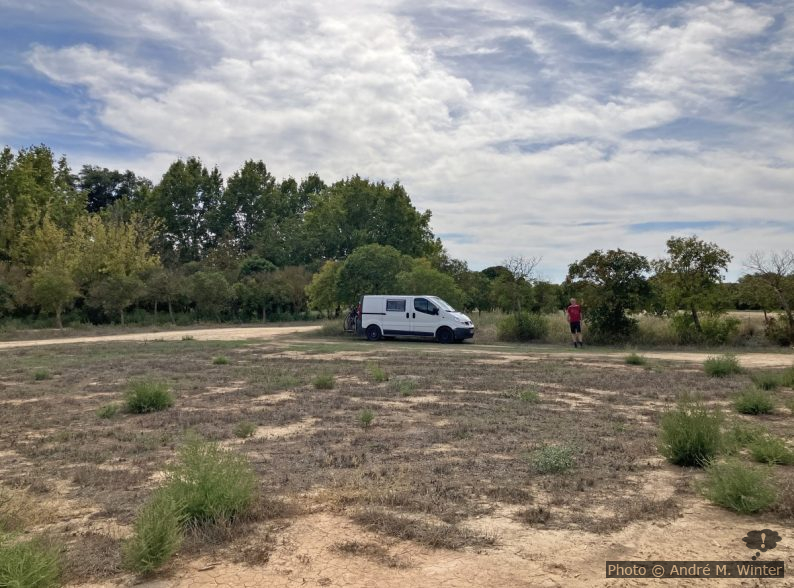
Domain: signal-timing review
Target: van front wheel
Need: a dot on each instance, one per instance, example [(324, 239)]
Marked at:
[(373, 332), (445, 335)]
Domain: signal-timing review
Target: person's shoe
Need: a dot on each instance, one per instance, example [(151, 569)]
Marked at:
[(575, 345)]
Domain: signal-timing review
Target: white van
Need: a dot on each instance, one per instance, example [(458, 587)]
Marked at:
[(412, 316)]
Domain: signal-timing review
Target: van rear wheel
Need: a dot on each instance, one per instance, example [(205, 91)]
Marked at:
[(373, 333), (445, 335)]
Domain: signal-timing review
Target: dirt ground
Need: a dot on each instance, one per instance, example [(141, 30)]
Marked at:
[(440, 490)]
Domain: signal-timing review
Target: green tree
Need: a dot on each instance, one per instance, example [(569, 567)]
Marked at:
[(370, 269), (612, 284), (691, 274), (773, 274), (356, 212), (210, 291), (53, 289), (421, 278), (323, 291), (115, 293), (103, 187)]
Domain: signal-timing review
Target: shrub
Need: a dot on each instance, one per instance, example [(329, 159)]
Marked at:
[(739, 436), (108, 411), (739, 487), (777, 331), (404, 387), (28, 564), (771, 450), (766, 380), (210, 485), (689, 434), (148, 396), (754, 401), (529, 395), (378, 374), (41, 374), (522, 326), (157, 534), (365, 417), (552, 459), (220, 360), (721, 366), (715, 330), (787, 377), (324, 382), (635, 359), (188, 338), (244, 429)]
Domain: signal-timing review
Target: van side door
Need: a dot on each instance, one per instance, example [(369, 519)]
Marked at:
[(397, 321), (424, 318)]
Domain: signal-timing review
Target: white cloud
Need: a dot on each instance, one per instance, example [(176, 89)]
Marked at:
[(354, 87)]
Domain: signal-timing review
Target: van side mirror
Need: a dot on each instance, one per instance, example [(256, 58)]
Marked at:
[(435, 310)]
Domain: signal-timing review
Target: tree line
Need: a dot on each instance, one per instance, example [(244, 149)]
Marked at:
[(98, 245)]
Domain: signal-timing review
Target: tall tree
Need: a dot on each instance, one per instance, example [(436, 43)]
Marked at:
[(370, 269), (612, 284), (691, 274), (774, 273), (103, 187)]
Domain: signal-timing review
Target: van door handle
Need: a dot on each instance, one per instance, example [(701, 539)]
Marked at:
[(406, 315), (414, 315)]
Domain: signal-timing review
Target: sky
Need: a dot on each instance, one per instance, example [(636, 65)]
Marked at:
[(545, 129)]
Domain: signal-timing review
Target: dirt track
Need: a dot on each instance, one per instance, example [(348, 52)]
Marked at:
[(231, 334), (749, 360)]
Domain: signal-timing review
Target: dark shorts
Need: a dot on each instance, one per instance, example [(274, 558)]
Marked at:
[(576, 326)]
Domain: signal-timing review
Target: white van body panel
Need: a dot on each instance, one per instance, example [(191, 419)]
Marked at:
[(413, 316)]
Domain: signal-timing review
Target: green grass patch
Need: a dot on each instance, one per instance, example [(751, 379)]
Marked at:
[(148, 396), (324, 382), (366, 417), (529, 396), (41, 374), (404, 387), (220, 360), (377, 373), (722, 366), (766, 380), (771, 450), (244, 429), (210, 484), (754, 401), (739, 436), (28, 564), (787, 377), (157, 534), (636, 359), (689, 434), (108, 411), (739, 486), (552, 459)]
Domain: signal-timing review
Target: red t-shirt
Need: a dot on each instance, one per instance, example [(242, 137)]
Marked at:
[(574, 313)]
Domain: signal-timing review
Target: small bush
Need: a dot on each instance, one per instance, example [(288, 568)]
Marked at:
[(787, 378), (28, 564), (766, 380), (244, 429), (108, 411), (148, 396), (777, 331), (404, 387), (715, 330), (635, 359), (378, 374), (739, 487), (754, 401), (522, 326), (157, 534), (772, 451), (365, 417), (722, 366), (41, 374), (689, 434), (188, 338), (210, 485), (739, 436), (324, 382), (529, 395), (534, 515), (552, 459), (220, 360)]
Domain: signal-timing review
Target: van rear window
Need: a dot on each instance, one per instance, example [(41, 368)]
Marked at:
[(395, 306)]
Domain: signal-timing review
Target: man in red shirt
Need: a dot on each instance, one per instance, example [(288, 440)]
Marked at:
[(574, 315)]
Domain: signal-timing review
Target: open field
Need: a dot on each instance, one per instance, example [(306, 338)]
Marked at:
[(443, 486)]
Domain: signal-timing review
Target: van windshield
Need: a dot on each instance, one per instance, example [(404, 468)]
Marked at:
[(441, 303)]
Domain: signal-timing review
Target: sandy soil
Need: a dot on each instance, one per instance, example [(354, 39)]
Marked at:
[(231, 334)]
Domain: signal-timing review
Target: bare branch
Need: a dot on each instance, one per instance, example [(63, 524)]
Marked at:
[(523, 268)]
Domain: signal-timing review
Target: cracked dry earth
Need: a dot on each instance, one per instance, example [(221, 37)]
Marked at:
[(440, 491)]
